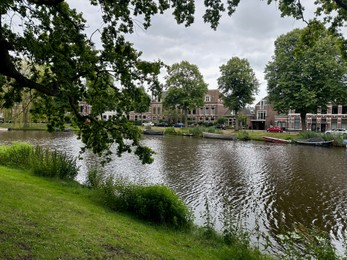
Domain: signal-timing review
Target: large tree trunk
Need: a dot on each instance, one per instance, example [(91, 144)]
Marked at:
[(236, 121), (185, 117), (303, 121)]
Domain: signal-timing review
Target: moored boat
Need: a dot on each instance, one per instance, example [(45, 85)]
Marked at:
[(152, 132), (276, 140), (219, 136), (315, 142)]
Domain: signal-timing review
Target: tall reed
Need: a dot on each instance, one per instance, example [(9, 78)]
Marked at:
[(40, 161)]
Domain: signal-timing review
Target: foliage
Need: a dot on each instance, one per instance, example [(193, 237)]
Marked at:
[(17, 155), (40, 161), (233, 231), (155, 203), (221, 120), (53, 164), (305, 243), (60, 57), (52, 219), (238, 84), (95, 178), (338, 139), (197, 131), (209, 221), (306, 75), (308, 134), (185, 87), (170, 131), (243, 135)]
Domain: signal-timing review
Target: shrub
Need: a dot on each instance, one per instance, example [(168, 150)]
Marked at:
[(309, 134), (160, 204), (306, 243), (170, 131), (338, 139), (155, 203), (41, 161), (53, 164), (95, 178), (196, 131), (17, 155), (243, 135)]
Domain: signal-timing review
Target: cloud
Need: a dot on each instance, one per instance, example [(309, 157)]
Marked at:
[(250, 33)]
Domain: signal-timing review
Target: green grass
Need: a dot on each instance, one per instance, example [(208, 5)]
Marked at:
[(53, 219)]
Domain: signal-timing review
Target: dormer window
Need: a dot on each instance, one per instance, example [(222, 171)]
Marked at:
[(207, 98)]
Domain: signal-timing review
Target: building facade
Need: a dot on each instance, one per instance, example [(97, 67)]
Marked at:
[(264, 116), (208, 113), (334, 116)]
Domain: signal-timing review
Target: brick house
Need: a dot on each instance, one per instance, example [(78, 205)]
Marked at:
[(335, 116), (264, 115), (208, 113)]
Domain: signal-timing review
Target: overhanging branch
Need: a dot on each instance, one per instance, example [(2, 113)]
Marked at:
[(8, 69), (46, 2), (341, 4)]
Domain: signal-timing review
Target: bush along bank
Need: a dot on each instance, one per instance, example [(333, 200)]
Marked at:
[(156, 203)]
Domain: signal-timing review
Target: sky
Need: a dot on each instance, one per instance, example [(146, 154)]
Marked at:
[(249, 34)]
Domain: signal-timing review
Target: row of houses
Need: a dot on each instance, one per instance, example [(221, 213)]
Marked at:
[(335, 116), (260, 117)]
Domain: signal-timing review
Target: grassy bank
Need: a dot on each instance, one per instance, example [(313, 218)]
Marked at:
[(50, 219)]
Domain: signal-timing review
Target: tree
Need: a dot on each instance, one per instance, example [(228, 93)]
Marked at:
[(306, 75), (237, 84), (186, 88), (52, 35)]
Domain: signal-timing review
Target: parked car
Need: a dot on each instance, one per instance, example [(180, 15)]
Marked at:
[(276, 129), (148, 124), (162, 124), (220, 126), (180, 125), (337, 131)]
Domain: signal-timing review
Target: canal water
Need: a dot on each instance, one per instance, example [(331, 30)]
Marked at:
[(272, 188)]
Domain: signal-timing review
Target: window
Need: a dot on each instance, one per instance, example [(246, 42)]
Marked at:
[(262, 103), (335, 110), (261, 115), (213, 111), (207, 109), (297, 122), (344, 110), (158, 110), (154, 110), (333, 123), (202, 110), (207, 98)]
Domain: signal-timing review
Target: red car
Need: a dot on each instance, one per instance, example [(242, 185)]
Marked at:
[(276, 129)]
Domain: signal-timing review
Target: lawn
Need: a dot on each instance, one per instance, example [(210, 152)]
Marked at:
[(53, 219)]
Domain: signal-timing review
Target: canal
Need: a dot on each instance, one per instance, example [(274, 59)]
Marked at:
[(270, 187)]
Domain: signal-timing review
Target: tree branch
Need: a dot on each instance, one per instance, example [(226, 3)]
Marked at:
[(341, 4), (8, 69), (46, 2)]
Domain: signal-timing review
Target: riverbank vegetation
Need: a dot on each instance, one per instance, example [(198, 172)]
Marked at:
[(255, 135), (57, 217), (46, 214)]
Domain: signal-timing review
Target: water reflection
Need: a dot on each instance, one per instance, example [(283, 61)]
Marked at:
[(277, 186)]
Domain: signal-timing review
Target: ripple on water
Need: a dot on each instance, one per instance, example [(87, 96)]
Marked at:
[(277, 186)]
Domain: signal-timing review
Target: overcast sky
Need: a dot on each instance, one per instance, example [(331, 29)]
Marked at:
[(250, 33)]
